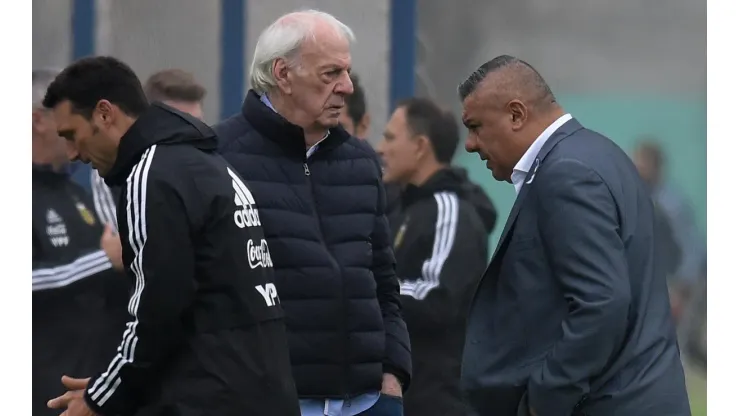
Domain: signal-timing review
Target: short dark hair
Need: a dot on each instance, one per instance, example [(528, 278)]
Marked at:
[(425, 117), (87, 81), (356, 104), (528, 75), (174, 85)]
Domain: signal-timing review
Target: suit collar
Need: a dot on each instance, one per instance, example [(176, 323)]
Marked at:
[(528, 159), (567, 129)]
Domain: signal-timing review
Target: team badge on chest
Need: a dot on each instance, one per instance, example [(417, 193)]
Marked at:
[(399, 235), (85, 213)]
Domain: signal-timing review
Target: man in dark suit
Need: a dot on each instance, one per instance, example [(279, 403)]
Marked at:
[(572, 316)]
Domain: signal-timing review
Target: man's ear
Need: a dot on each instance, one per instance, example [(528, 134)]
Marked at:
[(282, 77), (518, 113), (424, 146)]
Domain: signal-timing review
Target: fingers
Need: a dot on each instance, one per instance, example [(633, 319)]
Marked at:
[(60, 402), (75, 383)]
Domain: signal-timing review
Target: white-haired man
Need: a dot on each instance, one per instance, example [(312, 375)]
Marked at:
[(322, 208)]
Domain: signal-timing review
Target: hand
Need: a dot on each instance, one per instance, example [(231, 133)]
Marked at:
[(391, 386), (73, 400), (111, 244)]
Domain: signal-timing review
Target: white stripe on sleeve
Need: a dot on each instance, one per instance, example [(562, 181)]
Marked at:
[(106, 385), (66, 274), (105, 204), (444, 237)]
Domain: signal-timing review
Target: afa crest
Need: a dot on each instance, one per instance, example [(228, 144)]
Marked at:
[(399, 235), (85, 213)]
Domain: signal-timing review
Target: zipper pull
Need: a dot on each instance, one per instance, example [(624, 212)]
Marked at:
[(305, 169)]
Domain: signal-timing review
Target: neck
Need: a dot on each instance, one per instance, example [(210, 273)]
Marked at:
[(312, 132), (425, 171), (541, 123)]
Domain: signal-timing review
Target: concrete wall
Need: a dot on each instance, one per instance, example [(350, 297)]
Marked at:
[(624, 68)]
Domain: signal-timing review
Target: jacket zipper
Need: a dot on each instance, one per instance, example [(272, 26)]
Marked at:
[(345, 353)]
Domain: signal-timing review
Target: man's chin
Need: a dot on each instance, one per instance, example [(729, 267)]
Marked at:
[(499, 176)]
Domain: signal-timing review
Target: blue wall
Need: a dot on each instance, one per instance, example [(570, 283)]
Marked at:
[(680, 123)]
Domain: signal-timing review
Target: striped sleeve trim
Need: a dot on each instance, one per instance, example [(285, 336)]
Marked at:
[(66, 274), (105, 204), (444, 236), (136, 189)]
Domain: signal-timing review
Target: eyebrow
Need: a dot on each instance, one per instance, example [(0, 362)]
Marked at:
[(334, 67), (388, 134)]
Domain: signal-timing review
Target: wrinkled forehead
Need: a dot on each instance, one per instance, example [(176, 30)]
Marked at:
[(327, 50)]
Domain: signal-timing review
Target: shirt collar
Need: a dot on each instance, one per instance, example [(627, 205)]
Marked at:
[(525, 163), (311, 149)]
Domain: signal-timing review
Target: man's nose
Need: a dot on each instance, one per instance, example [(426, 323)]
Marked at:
[(344, 86), (471, 144)]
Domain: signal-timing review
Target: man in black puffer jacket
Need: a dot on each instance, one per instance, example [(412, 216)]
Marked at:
[(322, 205)]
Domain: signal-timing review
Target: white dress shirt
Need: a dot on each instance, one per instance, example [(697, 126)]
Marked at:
[(525, 163)]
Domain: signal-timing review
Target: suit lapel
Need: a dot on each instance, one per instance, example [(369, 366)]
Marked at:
[(567, 129), (570, 127)]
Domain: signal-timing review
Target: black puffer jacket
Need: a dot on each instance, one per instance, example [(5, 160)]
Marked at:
[(324, 220)]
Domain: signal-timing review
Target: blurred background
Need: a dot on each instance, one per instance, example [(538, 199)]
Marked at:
[(634, 70)]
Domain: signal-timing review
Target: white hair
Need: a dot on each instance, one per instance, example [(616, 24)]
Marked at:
[(283, 39), (41, 79)]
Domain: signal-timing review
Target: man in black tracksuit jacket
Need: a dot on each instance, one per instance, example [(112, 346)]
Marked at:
[(441, 247), (206, 334), (79, 298)]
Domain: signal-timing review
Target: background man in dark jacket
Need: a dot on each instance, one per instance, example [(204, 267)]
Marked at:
[(356, 120), (322, 208), (572, 315), (79, 298), (206, 334), (441, 250)]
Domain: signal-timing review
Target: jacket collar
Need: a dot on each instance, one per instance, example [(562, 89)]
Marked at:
[(567, 129), (287, 135)]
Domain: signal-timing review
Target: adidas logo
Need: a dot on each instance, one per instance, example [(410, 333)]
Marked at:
[(52, 217), (246, 214)]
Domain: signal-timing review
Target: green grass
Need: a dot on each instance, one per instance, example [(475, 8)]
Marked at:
[(696, 384)]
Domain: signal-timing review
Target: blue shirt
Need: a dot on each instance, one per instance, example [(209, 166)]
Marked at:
[(332, 407)]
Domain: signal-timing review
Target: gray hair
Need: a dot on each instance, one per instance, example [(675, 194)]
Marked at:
[(283, 39), (41, 79)]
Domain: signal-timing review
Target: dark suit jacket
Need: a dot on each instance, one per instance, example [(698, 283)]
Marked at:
[(573, 308)]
